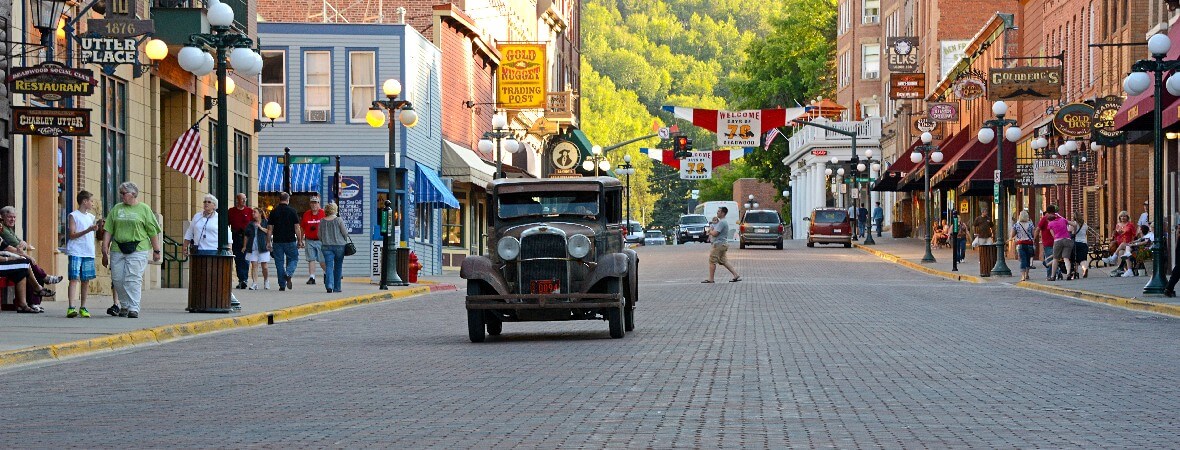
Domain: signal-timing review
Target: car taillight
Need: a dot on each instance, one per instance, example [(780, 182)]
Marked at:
[(743, 228), (780, 228)]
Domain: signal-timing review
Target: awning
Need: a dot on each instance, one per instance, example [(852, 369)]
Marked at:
[(431, 190), (1136, 111), (950, 147), (891, 176), (465, 166), (981, 182), (304, 177), (960, 166)]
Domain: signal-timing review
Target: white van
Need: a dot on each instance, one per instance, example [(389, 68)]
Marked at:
[(634, 232), (709, 210)]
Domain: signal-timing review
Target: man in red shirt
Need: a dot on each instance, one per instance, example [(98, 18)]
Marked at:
[(311, 238), (1047, 237), (239, 217)]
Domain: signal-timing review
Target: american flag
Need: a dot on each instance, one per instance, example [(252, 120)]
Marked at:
[(770, 138), (185, 155)]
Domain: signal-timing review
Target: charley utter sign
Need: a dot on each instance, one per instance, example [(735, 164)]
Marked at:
[(51, 121), (52, 81), (1025, 83), (521, 79)]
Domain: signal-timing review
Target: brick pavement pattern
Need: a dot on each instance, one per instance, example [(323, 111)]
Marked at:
[(824, 347)]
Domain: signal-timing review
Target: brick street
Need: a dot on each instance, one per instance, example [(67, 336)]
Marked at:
[(824, 347)]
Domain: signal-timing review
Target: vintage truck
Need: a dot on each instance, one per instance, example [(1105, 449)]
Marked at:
[(555, 252)]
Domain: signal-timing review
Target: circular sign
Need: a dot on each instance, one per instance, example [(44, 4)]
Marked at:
[(926, 124), (664, 133), (969, 89), (1074, 120), (565, 155)]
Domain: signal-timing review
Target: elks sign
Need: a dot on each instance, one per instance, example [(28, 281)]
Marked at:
[(903, 54)]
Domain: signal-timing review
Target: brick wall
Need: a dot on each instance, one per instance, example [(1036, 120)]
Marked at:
[(764, 193), (418, 14), (466, 76)]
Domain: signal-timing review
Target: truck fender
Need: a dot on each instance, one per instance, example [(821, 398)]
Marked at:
[(612, 265), (479, 267)]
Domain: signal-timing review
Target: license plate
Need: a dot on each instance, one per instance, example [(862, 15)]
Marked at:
[(836, 230), (545, 286), (761, 230)]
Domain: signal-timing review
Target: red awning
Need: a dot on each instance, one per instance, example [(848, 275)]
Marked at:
[(892, 175), (1136, 111), (959, 167), (981, 181), (950, 148)]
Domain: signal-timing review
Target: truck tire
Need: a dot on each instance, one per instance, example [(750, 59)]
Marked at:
[(810, 244), (847, 245), (475, 325), (779, 245), (614, 316), (495, 327), (632, 297)]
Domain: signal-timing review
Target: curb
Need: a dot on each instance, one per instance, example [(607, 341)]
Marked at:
[(919, 267), (166, 333), (1112, 300)]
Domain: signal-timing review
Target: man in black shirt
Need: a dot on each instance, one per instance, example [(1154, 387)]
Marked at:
[(286, 239)]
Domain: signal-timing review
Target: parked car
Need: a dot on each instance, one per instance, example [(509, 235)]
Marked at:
[(634, 232), (829, 226), (761, 227), (555, 252), (654, 237), (692, 228)]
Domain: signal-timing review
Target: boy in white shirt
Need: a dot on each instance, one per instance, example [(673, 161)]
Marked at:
[(80, 228)]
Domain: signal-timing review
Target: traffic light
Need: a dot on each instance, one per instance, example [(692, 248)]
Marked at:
[(687, 146), (680, 146)]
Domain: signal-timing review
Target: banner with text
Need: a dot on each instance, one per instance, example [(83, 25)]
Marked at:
[(520, 83), (739, 128), (699, 166), (352, 204)]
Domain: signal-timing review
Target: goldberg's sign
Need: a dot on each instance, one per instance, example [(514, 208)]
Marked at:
[(52, 81), (1074, 120), (108, 51), (907, 86), (903, 54), (1025, 83), (739, 128), (50, 121), (1105, 110), (521, 79)]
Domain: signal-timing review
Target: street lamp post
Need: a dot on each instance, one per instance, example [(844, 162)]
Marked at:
[(862, 168), (751, 203), (627, 169), (986, 135), (376, 117), (504, 137), (1136, 83), (596, 161), (929, 153)]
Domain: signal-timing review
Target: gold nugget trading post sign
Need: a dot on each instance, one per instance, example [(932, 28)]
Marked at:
[(51, 121), (521, 80)]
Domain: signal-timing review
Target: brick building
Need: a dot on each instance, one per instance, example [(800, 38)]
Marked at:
[(764, 194)]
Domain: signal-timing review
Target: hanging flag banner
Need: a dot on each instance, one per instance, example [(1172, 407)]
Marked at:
[(520, 82), (1074, 120), (739, 128), (1105, 110), (1024, 83), (699, 166), (50, 121)]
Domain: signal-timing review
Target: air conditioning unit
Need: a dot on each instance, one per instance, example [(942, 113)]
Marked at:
[(872, 75), (872, 19), (318, 115)]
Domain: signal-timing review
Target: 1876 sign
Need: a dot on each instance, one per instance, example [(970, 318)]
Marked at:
[(121, 21)]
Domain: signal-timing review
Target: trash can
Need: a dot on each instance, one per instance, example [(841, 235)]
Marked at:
[(900, 230), (210, 282), (403, 264), (987, 260)]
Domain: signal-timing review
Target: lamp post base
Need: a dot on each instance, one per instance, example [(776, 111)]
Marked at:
[(929, 256), (869, 238), (1001, 268)]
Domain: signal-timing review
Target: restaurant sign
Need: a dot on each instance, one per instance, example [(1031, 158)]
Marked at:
[(52, 81), (1104, 132), (50, 121), (907, 86), (1074, 120), (943, 112), (1025, 83)]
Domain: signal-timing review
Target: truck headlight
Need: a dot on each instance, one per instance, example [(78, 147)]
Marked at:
[(508, 248), (578, 246)]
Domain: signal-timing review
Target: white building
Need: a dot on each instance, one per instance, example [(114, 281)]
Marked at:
[(812, 150)]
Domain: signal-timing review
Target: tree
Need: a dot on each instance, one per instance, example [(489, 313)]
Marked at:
[(720, 187)]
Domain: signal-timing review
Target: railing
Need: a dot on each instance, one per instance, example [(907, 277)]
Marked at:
[(866, 130), (174, 259)]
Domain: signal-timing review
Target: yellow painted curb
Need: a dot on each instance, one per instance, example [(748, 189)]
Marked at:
[(172, 332), (919, 267), (1112, 300)]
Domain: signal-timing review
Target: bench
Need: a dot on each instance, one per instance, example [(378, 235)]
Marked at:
[(7, 295)]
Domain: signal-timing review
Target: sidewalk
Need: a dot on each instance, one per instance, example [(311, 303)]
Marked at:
[(1098, 287), (27, 338)]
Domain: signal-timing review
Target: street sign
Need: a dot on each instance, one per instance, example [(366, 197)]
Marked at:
[(996, 177), (855, 194), (306, 160), (664, 133), (863, 180)]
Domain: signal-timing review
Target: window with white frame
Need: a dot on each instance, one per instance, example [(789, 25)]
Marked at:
[(870, 67), (317, 84), (845, 16), (871, 12), (274, 80), (870, 110), (362, 85)]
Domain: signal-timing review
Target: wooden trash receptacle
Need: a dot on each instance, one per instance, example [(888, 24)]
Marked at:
[(210, 283), (987, 260)]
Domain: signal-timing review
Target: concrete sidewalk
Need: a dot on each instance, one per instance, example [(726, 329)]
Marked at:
[(1098, 287), (27, 338)]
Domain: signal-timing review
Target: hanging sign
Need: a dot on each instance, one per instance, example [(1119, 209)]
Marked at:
[(559, 105), (699, 166), (1074, 120), (108, 51), (1104, 132), (739, 128), (352, 204), (120, 21), (50, 121), (1024, 83), (52, 81), (903, 54), (520, 82), (1050, 171), (943, 112), (969, 88), (907, 86)]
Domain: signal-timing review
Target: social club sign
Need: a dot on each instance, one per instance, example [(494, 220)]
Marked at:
[(52, 81)]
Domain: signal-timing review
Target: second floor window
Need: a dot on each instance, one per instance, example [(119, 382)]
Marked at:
[(871, 63), (362, 87), (274, 79), (317, 85), (241, 163), (871, 12), (114, 139)]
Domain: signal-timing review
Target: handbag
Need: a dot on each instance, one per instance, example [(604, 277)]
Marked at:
[(128, 247), (349, 248)]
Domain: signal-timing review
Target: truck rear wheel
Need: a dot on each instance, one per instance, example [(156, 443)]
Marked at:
[(614, 315), (475, 325), (495, 327)]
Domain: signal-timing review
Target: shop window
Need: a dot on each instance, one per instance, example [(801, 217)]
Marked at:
[(362, 85), (274, 80), (114, 139), (453, 229), (424, 222)]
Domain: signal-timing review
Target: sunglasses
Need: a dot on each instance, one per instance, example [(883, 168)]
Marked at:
[(207, 201)]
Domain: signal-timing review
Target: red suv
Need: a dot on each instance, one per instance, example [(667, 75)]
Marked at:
[(829, 226)]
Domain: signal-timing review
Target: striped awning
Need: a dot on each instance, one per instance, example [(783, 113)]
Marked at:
[(431, 190), (304, 177)]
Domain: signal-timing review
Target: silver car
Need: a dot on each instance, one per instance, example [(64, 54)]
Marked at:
[(761, 227), (654, 237)]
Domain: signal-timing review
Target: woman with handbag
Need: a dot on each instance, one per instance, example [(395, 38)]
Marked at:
[(132, 227), (257, 240), (334, 237)]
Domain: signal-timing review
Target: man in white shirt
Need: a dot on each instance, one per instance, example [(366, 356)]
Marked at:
[(1143, 217)]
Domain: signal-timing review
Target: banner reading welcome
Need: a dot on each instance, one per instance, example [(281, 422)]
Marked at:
[(521, 80)]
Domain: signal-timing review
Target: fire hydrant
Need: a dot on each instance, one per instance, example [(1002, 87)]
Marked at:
[(415, 266)]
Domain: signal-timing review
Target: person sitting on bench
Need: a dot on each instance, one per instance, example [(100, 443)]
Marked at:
[(1126, 253)]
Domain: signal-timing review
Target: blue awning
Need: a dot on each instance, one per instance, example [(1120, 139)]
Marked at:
[(431, 189), (304, 177)]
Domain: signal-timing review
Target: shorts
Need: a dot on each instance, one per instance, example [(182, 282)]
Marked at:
[(314, 250), (717, 255), (81, 268), (258, 257), (1063, 249)]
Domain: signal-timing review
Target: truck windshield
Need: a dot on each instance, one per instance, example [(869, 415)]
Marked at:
[(548, 204)]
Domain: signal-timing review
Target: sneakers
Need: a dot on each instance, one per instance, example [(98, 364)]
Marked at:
[(1109, 259), (113, 310), (71, 313), (241, 285), (311, 280), (1116, 273), (266, 285), (83, 313), (52, 279), (1128, 273), (253, 287), (289, 286), (125, 313), (133, 315)]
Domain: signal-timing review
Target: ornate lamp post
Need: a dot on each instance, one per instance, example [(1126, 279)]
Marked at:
[(986, 135), (627, 169), (46, 14), (1136, 83), (596, 161), (505, 138), (751, 203), (376, 117), (929, 153), (868, 196)]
